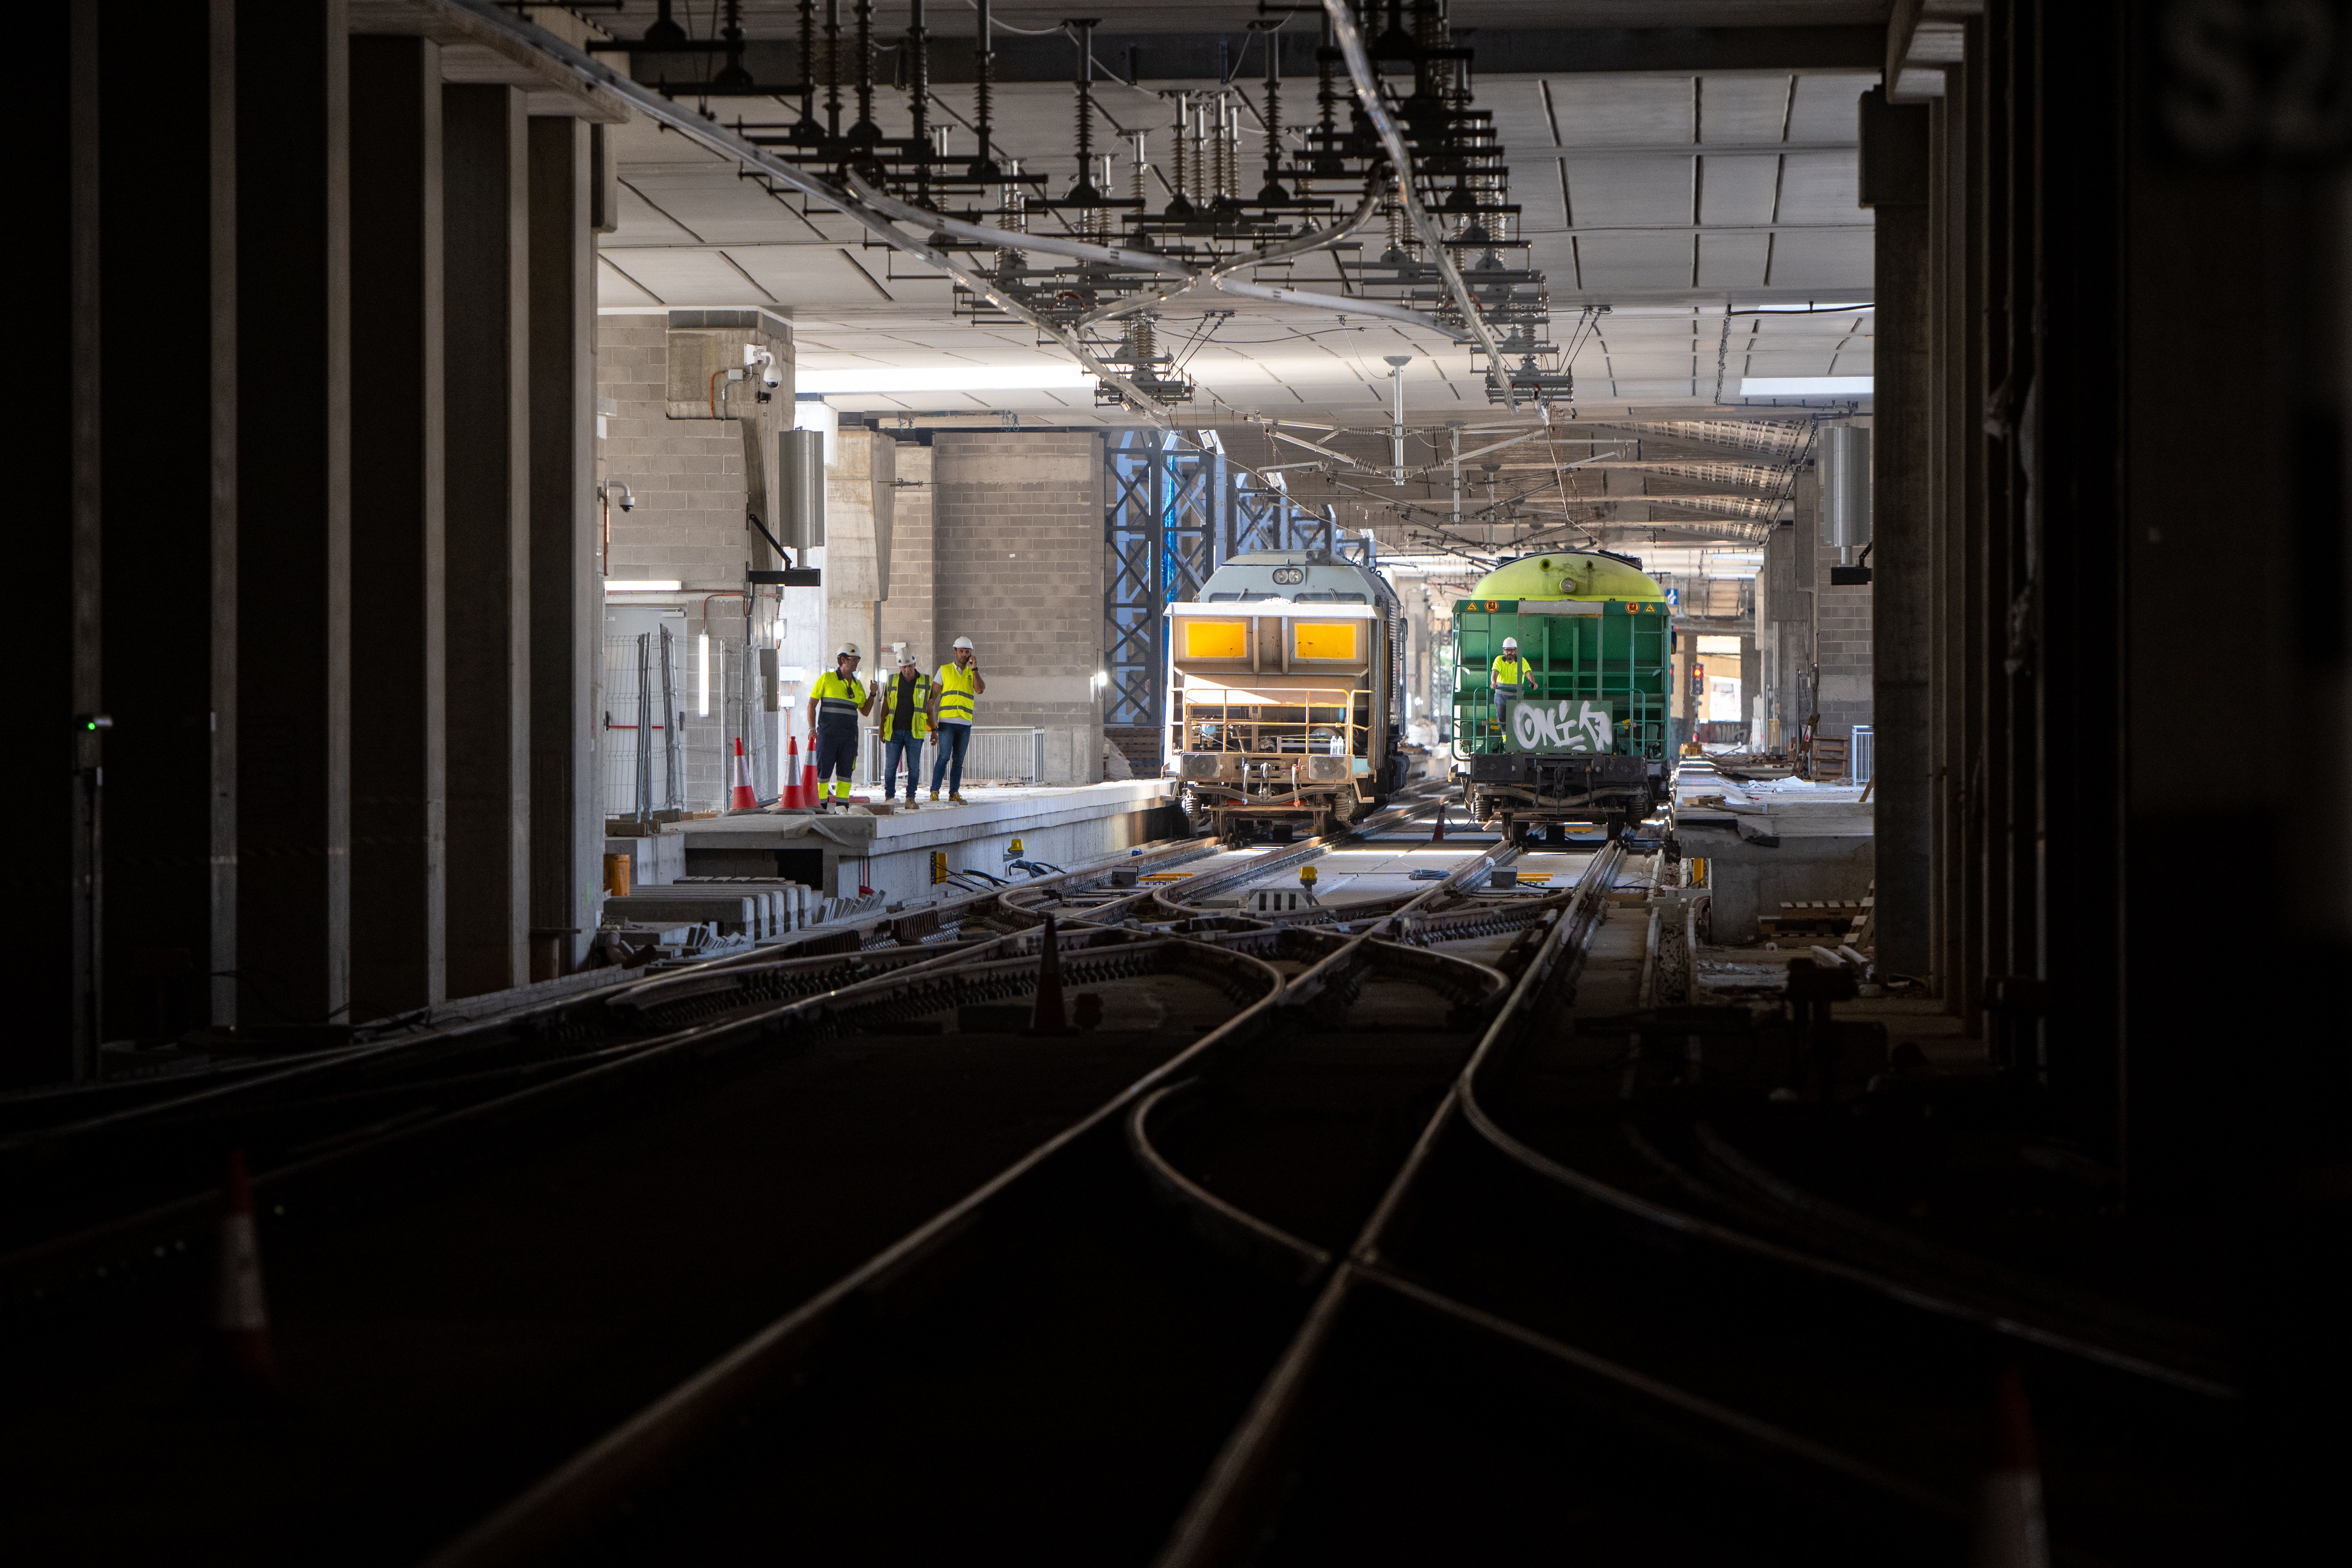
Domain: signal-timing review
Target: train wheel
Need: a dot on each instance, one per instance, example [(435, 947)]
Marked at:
[(1556, 835)]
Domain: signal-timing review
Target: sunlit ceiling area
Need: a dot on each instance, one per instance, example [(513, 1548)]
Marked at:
[(1694, 234)]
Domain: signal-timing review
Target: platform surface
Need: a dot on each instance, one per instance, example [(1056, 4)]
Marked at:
[(985, 812)]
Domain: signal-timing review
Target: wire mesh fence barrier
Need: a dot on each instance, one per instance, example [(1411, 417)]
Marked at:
[(997, 754), (672, 713), (645, 763)]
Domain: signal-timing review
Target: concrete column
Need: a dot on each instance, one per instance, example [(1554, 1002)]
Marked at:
[(1895, 142), (399, 933), (908, 612), (567, 826), (860, 508), (293, 577), (50, 874), (168, 250), (1020, 570), (486, 297)]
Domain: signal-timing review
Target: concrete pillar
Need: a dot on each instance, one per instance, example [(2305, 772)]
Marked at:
[(1020, 570), (486, 300), (51, 871), (567, 826), (1894, 145), (399, 933), (908, 614), (860, 508), (168, 250), (293, 636)]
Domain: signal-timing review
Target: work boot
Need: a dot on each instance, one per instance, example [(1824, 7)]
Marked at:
[(935, 797), (955, 798)]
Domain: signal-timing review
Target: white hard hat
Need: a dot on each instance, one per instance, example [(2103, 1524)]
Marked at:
[(1510, 642), (963, 642), (849, 650), (907, 656)]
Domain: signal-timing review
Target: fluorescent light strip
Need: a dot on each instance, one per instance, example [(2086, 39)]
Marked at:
[(702, 676), (1805, 385), (881, 379), (642, 586)]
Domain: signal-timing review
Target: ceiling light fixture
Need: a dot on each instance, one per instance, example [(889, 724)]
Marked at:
[(1805, 385), (882, 380), (642, 586)]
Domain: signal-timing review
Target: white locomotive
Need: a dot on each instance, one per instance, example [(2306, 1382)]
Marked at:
[(1286, 692)]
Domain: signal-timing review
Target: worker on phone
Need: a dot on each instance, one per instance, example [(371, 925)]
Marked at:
[(955, 692)]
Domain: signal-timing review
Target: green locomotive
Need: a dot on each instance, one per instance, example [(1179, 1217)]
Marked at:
[(1561, 696)]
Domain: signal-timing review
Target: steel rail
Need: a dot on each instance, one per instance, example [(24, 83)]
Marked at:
[(564, 1502), (1217, 1518), (1819, 1221), (1725, 1238), (1367, 80), (545, 1516), (259, 1079), (111, 1248)]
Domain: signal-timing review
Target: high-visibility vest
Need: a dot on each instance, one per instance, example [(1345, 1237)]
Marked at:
[(1511, 672), (922, 722), (838, 697), (958, 685)]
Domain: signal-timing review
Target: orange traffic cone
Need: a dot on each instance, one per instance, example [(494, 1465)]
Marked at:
[(811, 792), (2010, 1529), (1049, 1017), (241, 1313), (746, 797), (788, 791), (1437, 833)]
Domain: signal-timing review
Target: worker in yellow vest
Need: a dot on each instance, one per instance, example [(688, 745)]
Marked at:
[(906, 720), (1511, 677), (837, 698), (953, 692)]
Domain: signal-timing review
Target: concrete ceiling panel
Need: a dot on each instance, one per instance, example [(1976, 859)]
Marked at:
[(1595, 111), (1604, 191), (1829, 260), (1738, 190), (1636, 260), (1732, 261), (1742, 107)]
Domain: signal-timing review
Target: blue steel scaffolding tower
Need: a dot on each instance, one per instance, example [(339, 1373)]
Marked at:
[(1172, 513)]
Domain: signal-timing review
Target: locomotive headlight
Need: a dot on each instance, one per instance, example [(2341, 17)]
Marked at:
[(1203, 764)]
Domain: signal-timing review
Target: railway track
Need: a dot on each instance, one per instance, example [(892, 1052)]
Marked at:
[(1326, 1243), (475, 1139), (1083, 1317)]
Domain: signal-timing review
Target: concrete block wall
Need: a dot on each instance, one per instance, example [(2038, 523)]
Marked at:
[(1802, 618), (690, 484), (908, 615), (1018, 539)]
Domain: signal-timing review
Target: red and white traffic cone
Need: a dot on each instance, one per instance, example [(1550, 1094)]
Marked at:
[(811, 792), (746, 797), (788, 791), (2010, 1529), (241, 1311)]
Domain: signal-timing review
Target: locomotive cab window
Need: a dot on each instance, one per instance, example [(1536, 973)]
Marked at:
[(1215, 640), (1327, 642)]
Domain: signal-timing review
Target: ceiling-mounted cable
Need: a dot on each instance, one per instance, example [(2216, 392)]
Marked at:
[(1368, 93)]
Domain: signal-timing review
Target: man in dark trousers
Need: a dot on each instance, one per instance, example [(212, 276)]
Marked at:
[(838, 699), (906, 719)]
